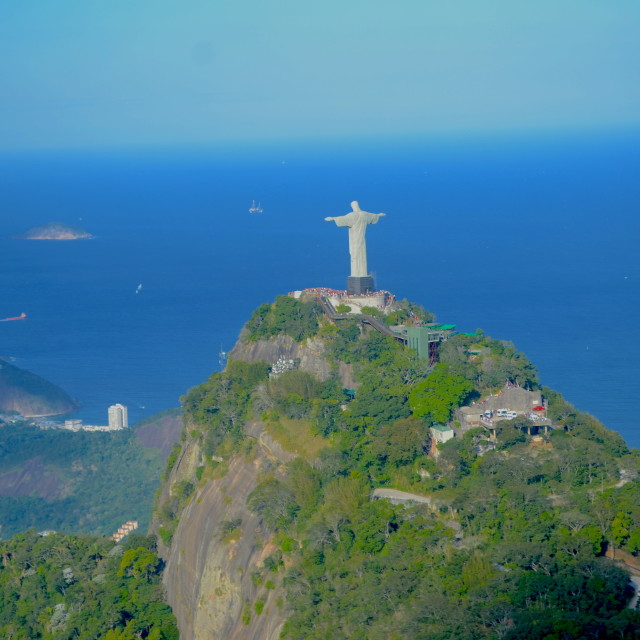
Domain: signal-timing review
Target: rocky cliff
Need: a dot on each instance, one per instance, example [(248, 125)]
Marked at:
[(217, 583), (215, 578), (309, 355)]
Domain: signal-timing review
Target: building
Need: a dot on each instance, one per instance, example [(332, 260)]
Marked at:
[(425, 339), (470, 417), (125, 530), (441, 433), (118, 416)]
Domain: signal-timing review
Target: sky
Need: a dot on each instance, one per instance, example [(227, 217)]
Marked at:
[(162, 72)]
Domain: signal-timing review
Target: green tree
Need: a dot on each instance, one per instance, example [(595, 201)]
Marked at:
[(621, 528), (274, 501), (372, 311), (296, 318), (439, 394), (139, 562), (402, 442)]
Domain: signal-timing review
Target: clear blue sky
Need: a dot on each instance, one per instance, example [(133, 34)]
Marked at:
[(128, 72)]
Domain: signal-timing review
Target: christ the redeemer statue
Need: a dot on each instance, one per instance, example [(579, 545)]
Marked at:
[(357, 221)]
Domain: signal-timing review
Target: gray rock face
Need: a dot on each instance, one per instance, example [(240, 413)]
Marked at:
[(208, 580), (310, 353)]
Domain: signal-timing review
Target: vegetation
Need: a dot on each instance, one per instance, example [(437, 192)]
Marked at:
[(63, 587), (297, 436), (512, 542), (75, 482), (219, 407), (295, 318), (407, 312), (488, 363), (439, 394)]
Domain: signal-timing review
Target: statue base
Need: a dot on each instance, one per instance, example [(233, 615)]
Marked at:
[(356, 286)]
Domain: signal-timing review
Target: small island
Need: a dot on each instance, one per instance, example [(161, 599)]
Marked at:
[(54, 231)]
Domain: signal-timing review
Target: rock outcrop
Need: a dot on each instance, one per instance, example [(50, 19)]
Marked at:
[(310, 354), (216, 586), (211, 580)]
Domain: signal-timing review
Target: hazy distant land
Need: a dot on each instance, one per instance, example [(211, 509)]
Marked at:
[(54, 231), (30, 395)]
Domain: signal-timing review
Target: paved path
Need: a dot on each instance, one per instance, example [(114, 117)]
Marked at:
[(400, 497)]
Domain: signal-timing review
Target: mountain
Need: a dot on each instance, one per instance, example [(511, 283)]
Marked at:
[(332, 483), (54, 231), (82, 482), (313, 493), (30, 395)]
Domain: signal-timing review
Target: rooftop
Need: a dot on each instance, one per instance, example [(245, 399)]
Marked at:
[(441, 427)]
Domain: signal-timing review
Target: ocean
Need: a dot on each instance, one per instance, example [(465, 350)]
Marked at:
[(532, 239)]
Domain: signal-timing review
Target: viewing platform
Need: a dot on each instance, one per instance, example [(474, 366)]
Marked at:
[(424, 338)]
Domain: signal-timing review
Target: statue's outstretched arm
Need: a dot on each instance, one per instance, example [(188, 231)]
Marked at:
[(374, 217), (341, 221)]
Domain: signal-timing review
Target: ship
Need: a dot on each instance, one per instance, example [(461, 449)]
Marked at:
[(255, 207), (22, 316)]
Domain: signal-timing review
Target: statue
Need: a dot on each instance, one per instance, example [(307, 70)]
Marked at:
[(357, 221)]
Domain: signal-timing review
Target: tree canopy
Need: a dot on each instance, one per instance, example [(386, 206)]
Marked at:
[(63, 587), (295, 318), (439, 394)]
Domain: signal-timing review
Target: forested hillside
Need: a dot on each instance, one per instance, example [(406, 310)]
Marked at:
[(89, 482), (61, 587), (509, 542)]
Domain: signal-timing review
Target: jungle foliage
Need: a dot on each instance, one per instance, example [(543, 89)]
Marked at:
[(70, 470), (406, 312), (64, 587), (295, 318)]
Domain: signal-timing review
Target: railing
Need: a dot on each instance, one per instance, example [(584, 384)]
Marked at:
[(332, 314)]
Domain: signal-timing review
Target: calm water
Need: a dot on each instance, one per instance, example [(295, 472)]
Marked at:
[(532, 241)]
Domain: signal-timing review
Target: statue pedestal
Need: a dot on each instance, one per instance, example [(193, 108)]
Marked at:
[(356, 286)]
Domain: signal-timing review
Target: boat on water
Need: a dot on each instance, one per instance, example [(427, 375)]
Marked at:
[(22, 316), (255, 207), (139, 289)]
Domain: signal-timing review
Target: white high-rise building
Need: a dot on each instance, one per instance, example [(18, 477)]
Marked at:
[(118, 416)]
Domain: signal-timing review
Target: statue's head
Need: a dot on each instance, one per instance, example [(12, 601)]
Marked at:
[(355, 206)]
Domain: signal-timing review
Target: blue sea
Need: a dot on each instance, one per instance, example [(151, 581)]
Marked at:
[(533, 239)]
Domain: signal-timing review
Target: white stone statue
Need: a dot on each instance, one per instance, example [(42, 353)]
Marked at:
[(357, 221)]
